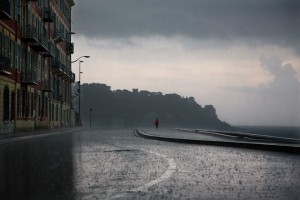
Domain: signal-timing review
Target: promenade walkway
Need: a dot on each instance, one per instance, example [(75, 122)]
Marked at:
[(216, 138)]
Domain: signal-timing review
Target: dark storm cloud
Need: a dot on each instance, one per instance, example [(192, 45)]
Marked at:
[(262, 21)]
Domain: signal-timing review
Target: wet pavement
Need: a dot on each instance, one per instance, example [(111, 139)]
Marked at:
[(116, 164)]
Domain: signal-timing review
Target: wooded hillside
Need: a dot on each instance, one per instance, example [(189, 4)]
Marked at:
[(123, 108)]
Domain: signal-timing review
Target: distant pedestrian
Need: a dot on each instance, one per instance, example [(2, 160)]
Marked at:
[(156, 123)]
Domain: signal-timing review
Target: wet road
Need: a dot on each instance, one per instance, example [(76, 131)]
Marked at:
[(115, 164)]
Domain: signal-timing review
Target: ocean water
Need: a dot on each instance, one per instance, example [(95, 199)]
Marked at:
[(277, 131)]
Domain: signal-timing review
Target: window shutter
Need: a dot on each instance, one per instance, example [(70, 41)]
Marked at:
[(1, 43), (3, 51), (16, 55), (16, 11), (11, 52)]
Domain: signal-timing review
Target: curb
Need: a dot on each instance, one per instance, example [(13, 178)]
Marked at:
[(247, 145)]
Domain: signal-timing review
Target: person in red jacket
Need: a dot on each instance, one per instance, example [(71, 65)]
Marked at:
[(156, 123)]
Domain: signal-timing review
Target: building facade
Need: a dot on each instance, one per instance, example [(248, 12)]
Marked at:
[(35, 64)]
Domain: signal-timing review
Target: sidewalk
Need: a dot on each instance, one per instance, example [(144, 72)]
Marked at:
[(19, 136), (214, 138)]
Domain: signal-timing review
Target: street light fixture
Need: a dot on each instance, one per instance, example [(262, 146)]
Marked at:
[(79, 58)]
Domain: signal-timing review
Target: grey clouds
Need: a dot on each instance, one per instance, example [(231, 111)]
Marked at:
[(257, 22)]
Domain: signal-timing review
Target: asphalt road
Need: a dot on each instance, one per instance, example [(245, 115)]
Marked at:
[(116, 164)]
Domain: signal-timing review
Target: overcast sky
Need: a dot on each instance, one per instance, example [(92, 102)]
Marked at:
[(243, 57)]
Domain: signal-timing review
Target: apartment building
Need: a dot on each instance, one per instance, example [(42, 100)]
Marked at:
[(35, 64)]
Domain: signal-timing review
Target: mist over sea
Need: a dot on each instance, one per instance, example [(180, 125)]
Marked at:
[(277, 131)]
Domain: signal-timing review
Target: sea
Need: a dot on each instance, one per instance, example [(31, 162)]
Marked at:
[(276, 131)]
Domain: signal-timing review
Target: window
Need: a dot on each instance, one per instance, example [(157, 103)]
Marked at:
[(12, 110), (11, 52), (16, 62), (4, 49), (18, 103), (32, 105), (6, 104), (22, 60), (1, 42), (56, 112), (40, 107), (46, 107), (27, 96), (16, 11), (23, 103), (52, 112), (28, 66)]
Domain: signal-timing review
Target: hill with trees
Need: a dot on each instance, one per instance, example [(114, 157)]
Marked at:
[(123, 108)]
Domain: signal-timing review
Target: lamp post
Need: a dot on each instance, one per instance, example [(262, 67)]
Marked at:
[(79, 91), (80, 61)]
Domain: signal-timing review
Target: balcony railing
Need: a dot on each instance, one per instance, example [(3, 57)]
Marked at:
[(29, 34), (59, 36), (4, 65), (63, 70), (29, 78), (5, 7), (58, 67), (41, 45), (73, 77), (69, 48), (47, 86), (48, 15), (51, 50), (70, 74)]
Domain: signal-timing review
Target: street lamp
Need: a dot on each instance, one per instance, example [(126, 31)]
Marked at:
[(79, 58), (79, 91), (80, 61)]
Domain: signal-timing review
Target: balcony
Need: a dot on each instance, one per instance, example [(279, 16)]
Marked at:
[(29, 34), (47, 86), (4, 65), (41, 45), (51, 50), (63, 71), (70, 75), (68, 72), (69, 48), (73, 77), (5, 7), (48, 15), (58, 67), (29, 78), (59, 36)]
